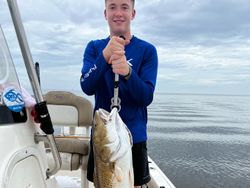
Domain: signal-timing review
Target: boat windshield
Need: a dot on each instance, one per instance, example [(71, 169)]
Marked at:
[(12, 108)]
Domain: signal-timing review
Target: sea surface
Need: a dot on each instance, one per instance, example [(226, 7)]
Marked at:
[(201, 141)]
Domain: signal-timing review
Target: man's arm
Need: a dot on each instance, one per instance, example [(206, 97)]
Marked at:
[(94, 67), (141, 86)]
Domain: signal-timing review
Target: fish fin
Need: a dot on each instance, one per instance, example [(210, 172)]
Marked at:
[(118, 173)]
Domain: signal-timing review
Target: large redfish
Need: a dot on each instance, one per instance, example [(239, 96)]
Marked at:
[(112, 144)]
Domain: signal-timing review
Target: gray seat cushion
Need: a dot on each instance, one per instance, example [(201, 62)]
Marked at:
[(72, 145)]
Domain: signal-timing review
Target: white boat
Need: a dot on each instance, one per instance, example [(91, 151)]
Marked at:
[(32, 156)]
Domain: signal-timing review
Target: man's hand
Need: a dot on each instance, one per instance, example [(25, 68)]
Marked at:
[(116, 45), (119, 64)]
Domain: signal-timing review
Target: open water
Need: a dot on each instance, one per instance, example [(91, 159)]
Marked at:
[(201, 141)]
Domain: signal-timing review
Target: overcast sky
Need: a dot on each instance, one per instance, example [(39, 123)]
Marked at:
[(203, 45)]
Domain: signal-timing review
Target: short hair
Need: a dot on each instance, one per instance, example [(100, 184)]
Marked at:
[(133, 2)]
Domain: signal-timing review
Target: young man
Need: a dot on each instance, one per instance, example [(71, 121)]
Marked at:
[(136, 62)]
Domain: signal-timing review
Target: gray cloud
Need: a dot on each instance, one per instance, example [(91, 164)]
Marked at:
[(82, 11), (196, 21), (202, 45)]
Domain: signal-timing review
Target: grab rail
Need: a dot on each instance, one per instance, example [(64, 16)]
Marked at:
[(41, 106)]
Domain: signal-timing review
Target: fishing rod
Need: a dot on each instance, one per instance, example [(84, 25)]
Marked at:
[(37, 69)]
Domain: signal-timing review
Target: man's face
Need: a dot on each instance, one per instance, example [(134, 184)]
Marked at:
[(119, 14)]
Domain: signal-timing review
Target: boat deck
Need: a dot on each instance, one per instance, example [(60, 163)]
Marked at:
[(72, 179)]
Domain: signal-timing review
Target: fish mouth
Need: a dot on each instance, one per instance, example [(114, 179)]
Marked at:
[(110, 142), (101, 137), (96, 117)]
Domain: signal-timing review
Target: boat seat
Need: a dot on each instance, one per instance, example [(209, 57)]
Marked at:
[(69, 110), (73, 152), (72, 145)]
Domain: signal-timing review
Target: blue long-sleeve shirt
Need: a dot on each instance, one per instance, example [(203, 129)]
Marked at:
[(136, 93)]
